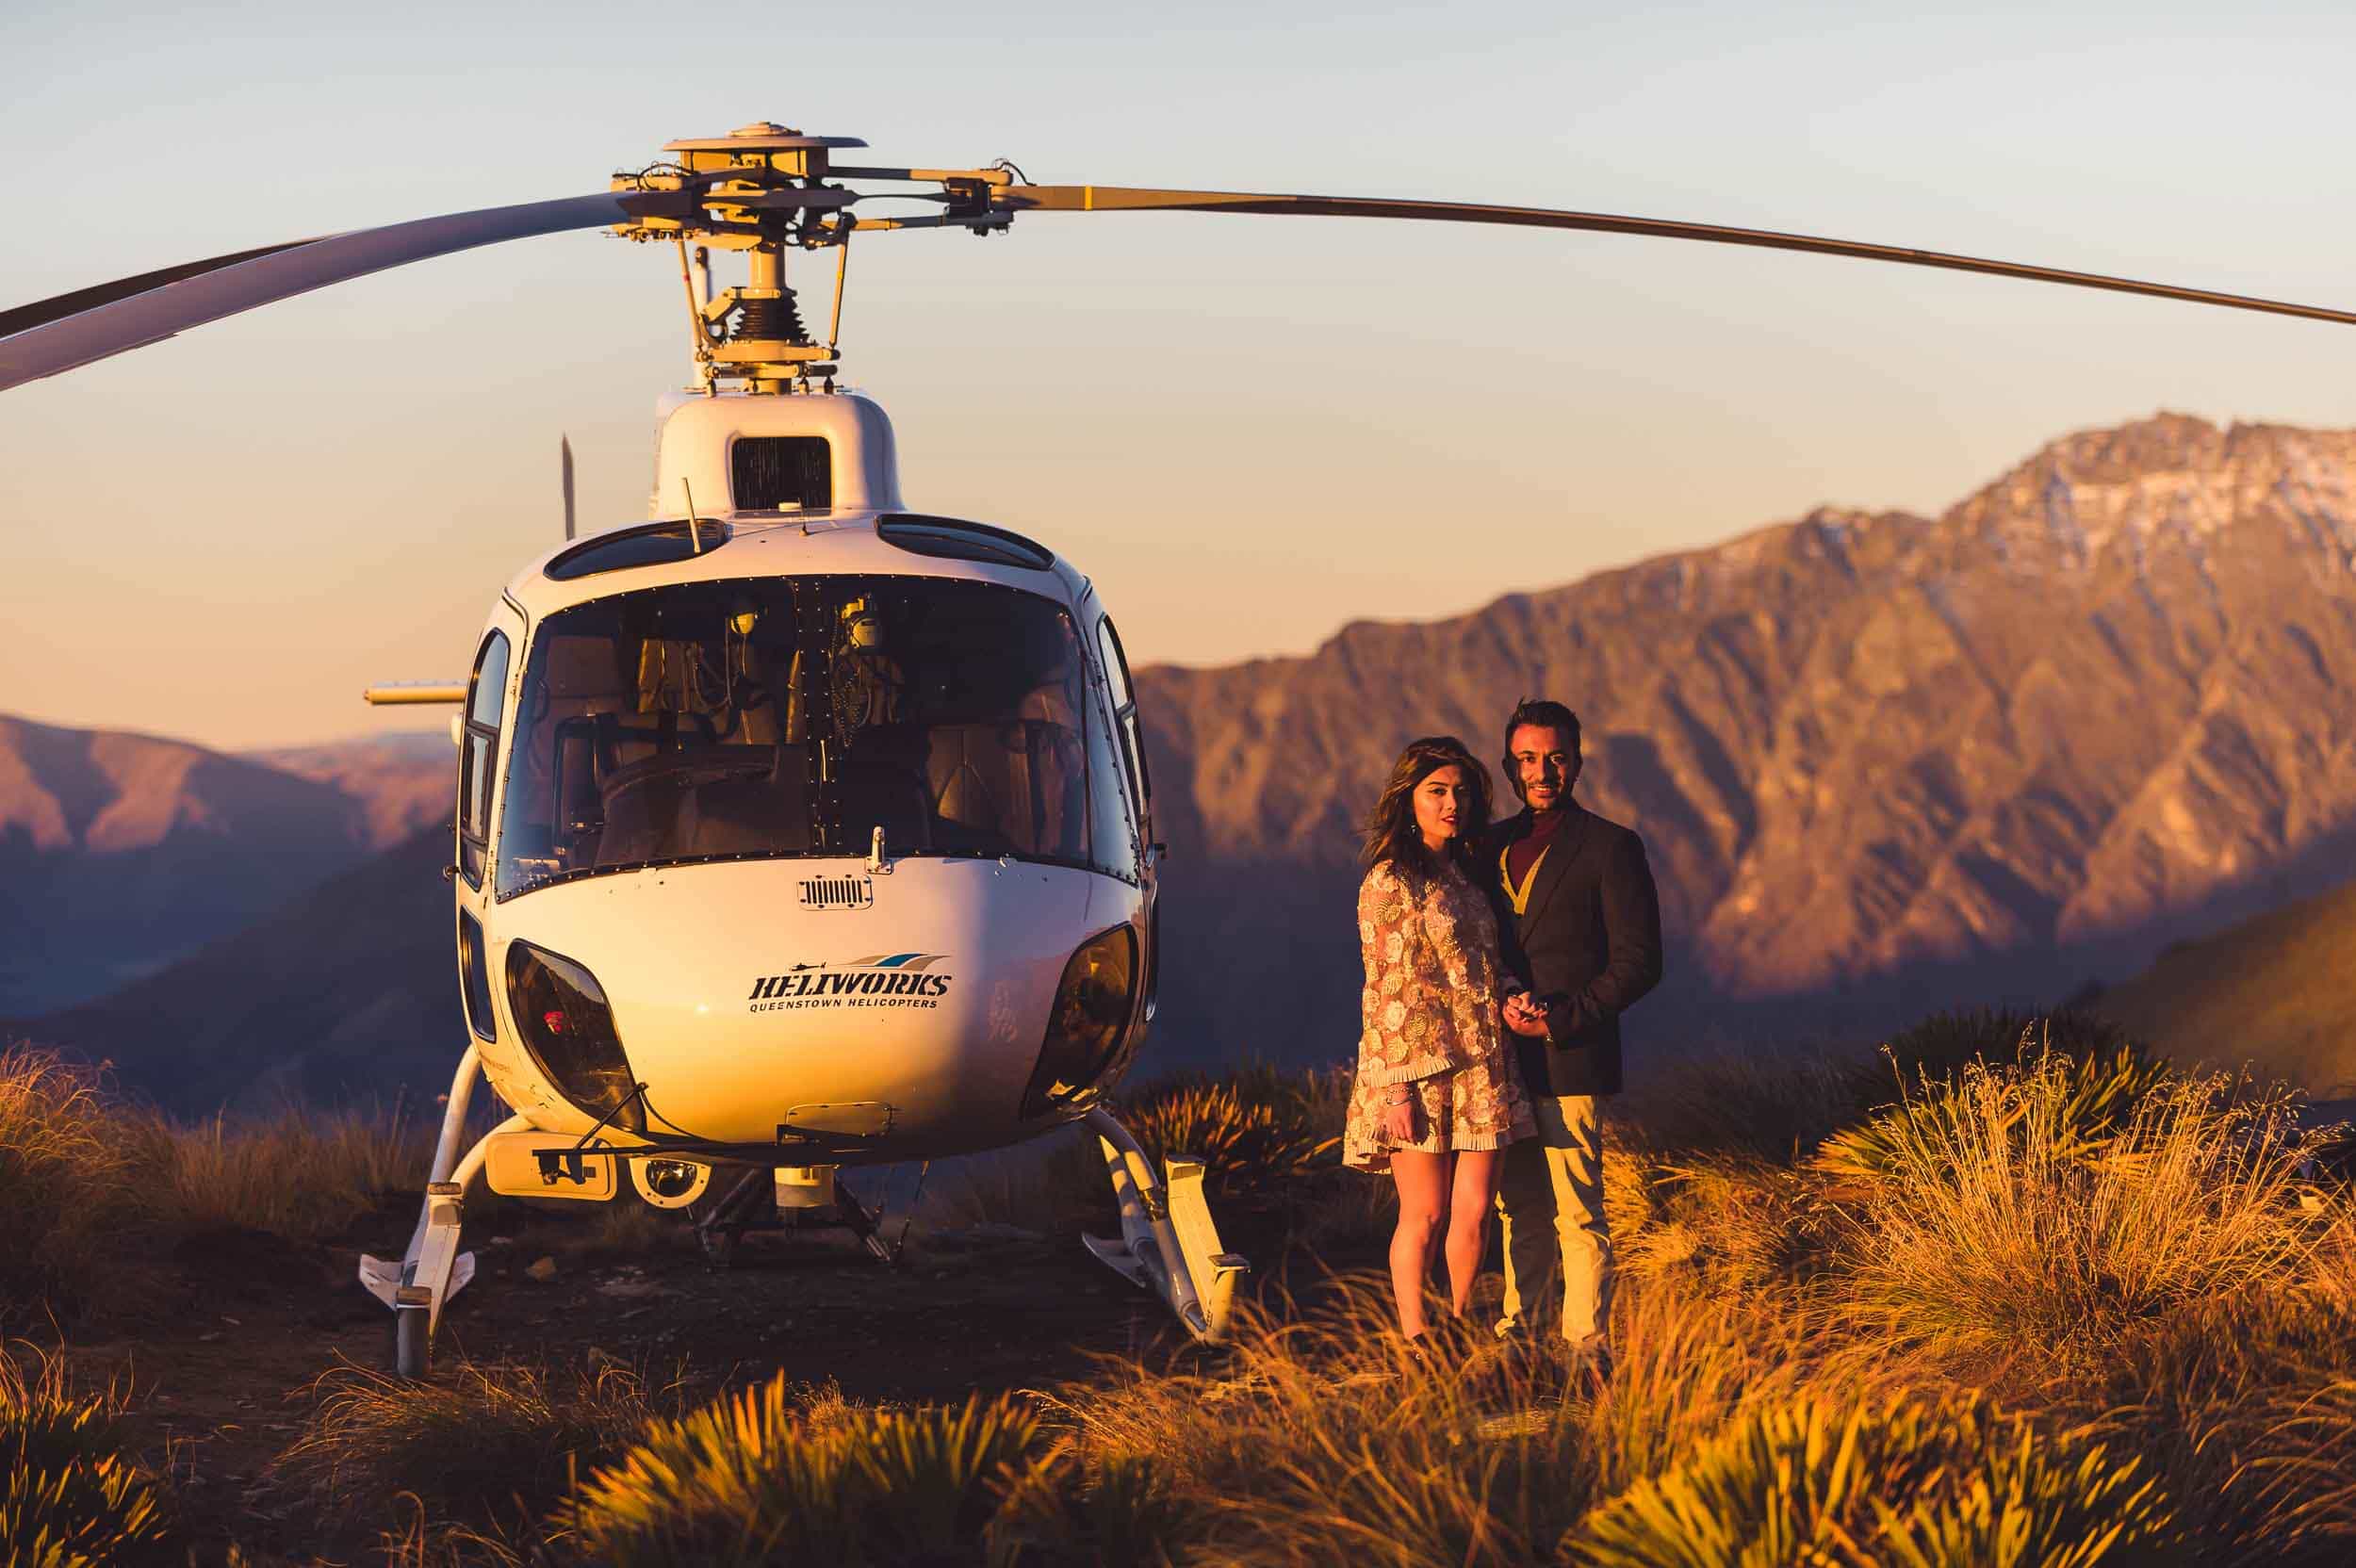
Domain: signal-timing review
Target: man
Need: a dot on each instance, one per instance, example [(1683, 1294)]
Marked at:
[(1580, 923)]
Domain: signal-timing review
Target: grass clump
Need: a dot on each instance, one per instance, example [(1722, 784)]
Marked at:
[(70, 1496), (491, 1444), (1997, 1216), (2098, 1098), (93, 1189), (1316, 1436), (295, 1175), (83, 1189), (1252, 1130), (1927, 1485), (763, 1477)]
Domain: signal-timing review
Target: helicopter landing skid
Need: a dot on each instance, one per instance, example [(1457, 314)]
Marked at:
[(1169, 1242), (434, 1270)]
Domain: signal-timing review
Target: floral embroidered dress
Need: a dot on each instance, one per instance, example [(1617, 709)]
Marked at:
[(1431, 1019)]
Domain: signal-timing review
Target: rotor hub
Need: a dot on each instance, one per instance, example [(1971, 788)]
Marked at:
[(766, 188)]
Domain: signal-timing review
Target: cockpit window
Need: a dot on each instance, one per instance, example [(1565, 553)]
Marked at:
[(795, 716)]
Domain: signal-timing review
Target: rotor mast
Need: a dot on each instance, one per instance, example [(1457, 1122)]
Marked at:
[(761, 189)]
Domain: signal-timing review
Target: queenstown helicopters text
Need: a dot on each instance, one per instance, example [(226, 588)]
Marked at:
[(840, 988)]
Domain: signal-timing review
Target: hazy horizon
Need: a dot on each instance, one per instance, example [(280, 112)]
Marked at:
[(406, 723), (1250, 431)]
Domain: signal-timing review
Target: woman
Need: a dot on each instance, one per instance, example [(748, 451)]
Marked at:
[(1436, 1097)]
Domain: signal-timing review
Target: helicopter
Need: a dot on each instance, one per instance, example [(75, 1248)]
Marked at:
[(798, 831)]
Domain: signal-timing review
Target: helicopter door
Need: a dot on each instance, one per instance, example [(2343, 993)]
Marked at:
[(482, 759), (1125, 715), (1124, 696)]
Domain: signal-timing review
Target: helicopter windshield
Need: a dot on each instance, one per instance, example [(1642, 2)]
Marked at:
[(795, 716)]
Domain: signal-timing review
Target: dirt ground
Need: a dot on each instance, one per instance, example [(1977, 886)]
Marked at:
[(227, 1384)]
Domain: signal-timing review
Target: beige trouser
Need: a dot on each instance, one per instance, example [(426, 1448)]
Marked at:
[(1550, 1206)]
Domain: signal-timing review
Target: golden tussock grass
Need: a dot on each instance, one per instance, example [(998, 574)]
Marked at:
[(2010, 1304), (2003, 1219), (71, 1493), (302, 1177), (84, 1190), (768, 1475), (1946, 1483), (93, 1191), (490, 1446)]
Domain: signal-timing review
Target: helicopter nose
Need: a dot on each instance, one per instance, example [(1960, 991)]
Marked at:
[(918, 1020)]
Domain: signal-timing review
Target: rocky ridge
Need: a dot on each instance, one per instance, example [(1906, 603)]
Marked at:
[(120, 852), (2096, 706)]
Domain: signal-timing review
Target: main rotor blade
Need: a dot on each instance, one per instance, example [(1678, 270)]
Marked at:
[(1110, 198), (94, 323), (24, 318)]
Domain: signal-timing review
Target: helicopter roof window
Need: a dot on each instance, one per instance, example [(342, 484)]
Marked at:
[(795, 716), (949, 539), (651, 544), (770, 472)]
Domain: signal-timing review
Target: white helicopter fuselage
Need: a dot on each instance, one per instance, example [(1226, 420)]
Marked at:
[(797, 1000)]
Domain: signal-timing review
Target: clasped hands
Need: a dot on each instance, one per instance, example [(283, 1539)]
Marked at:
[(1523, 1014)]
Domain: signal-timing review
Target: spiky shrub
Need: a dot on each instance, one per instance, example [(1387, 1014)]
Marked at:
[(1253, 1132), (1993, 1221), (755, 1479), (1944, 1484), (2098, 1098), (71, 1495), (82, 1192)]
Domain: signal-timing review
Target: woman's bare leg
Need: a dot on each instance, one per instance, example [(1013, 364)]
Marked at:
[(1422, 1201), (1474, 1188)]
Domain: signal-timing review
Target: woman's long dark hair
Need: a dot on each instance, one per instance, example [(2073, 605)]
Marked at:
[(1391, 832)]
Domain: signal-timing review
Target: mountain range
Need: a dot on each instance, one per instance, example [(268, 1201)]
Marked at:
[(1883, 763), (121, 852)]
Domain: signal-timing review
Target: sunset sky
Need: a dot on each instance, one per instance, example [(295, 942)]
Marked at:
[(1249, 429)]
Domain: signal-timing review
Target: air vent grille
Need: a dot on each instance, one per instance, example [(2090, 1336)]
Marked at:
[(767, 472), (838, 892)]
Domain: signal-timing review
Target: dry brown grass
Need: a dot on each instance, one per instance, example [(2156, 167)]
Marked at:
[(2000, 1228), (302, 1177), (1322, 1439), (2162, 1283), (94, 1191), (485, 1447), (84, 1192)]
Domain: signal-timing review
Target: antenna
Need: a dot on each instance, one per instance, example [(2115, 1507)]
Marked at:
[(695, 524), (564, 465)]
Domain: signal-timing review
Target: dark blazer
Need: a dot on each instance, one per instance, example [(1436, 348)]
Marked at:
[(1589, 945)]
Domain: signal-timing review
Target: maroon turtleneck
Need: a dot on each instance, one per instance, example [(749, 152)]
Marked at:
[(1523, 851)]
